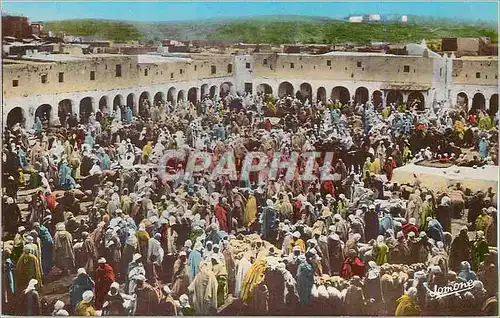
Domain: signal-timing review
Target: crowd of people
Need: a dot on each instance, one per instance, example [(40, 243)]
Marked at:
[(85, 201)]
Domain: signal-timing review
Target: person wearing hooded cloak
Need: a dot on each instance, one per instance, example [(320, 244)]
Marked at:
[(195, 260), (250, 213), (104, 277), (305, 280), (27, 268), (479, 250), (85, 307), (81, 283), (29, 302), (64, 257), (407, 305), (147, 298), (47, 248), (204, 290), (180, 277)]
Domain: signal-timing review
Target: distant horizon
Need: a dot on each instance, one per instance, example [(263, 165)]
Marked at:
[(482, 12)]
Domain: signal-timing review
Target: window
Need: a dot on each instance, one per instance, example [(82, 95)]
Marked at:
[(171, 75), (441, 72), (478, 75), (213, 69), (44, 78), (247, 65), (248, 88), (265, 61), (358, 63), (181, 71), (352, 75), (406, 69), (496, 76), (145, 72), (61, 77), (230, 68), (292, 65), (15, 83), (92, 75), (328, 63), (118, 70), (195, 67)]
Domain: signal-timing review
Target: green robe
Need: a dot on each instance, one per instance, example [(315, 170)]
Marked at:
[(479, 252)]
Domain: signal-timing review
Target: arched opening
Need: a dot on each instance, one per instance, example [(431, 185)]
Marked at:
[(377, 99), (103, 105), (416, 99), (193, 95), (171, 96), (321, 94), (264, 89), (341, 94), (181, 96), (361, 95), (213, 91), (285, 89), (43, 112), (304, 92), (159, 98), (478, 103), (395, 97), (144, 103), (204, 90), (225, 89), (463, 101), (493, 105), (86, 108), (16, 116), (118, 102), (131, 102), (64, 110)]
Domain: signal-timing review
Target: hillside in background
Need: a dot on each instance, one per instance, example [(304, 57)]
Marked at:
[(278, 30)]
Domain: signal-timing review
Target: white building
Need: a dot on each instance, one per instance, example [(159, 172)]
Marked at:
[(404, 19), (374, 17), (356, 19)]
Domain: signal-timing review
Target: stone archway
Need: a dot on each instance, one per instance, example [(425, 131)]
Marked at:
[(478, 103), (463, 101), (43, 112), (395, 97), (264, 89), (304, 92), (103, 105), (131, 102), (377, 99), (64, 110), (416, 99), (16, 116), (225, 89), (341, 94), (361, 96), (493, 105), (118, 102), (86, 108), (181, 96), (321, 94), (172, 96), (159, 98), (285, 89), (193, 95), (204, 90), (213, 91)]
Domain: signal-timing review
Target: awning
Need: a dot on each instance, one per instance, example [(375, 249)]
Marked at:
[(405, 87)]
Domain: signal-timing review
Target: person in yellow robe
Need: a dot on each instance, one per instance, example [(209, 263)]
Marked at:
[(375, 168), (367, 167), (146, 151), (250, 213), (459, 129), (380, 251), (85, 307), (482, 220), (297, 241), (407, 305), (386, 112), (27, 268)]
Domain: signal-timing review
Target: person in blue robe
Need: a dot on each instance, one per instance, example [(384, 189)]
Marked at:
[(483, 148), (47, 248), (9, 277), (195, 260), (268, 222), (104, 161), (38, 125), (89, 140), (435, 230), (305, 280), (128, 115), (22, 157), (386, 223), (81, 283), (66, 181)]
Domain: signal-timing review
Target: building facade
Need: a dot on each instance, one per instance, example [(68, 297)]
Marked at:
[(54, 85)]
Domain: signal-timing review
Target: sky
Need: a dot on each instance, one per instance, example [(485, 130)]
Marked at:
[(182, 11)]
